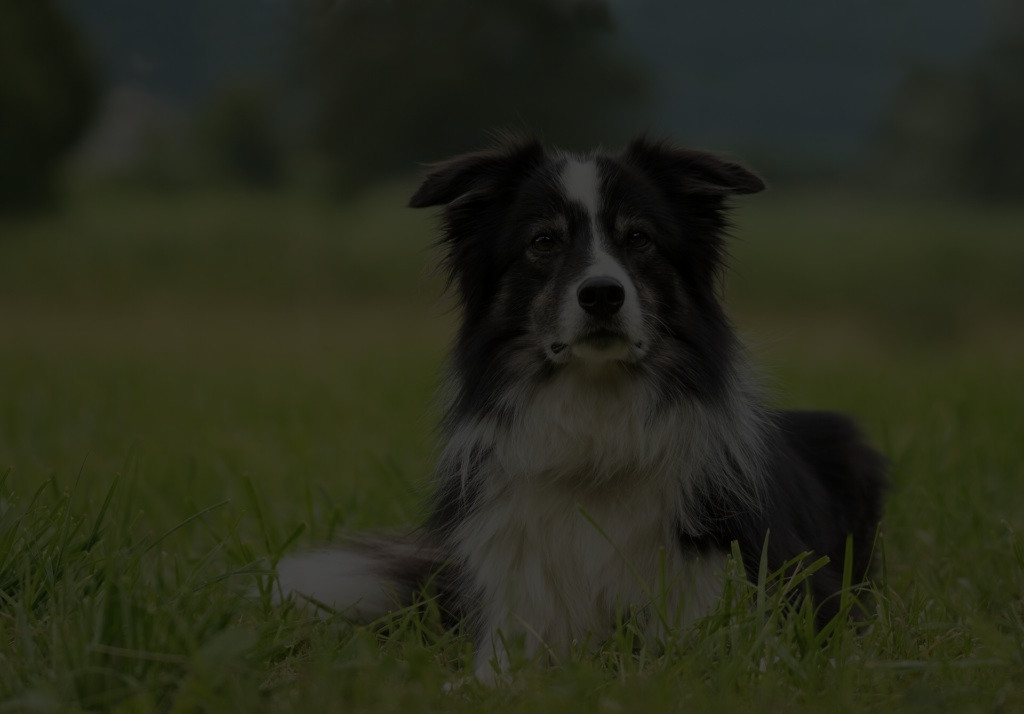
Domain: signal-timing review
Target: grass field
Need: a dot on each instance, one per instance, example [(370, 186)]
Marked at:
[(192, 384)]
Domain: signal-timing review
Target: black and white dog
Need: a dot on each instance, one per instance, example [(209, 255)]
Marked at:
[(604, 442)]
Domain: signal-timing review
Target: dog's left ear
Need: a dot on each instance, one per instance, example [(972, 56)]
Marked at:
[(478, 173), (690, 171)]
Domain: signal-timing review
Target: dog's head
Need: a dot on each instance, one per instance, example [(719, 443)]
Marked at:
[(596, 261)]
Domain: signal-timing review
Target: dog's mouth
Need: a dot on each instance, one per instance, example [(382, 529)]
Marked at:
[(602, 338), (601, 343)]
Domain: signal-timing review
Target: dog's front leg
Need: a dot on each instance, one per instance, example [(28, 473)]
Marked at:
[(491, 660), (506, 638), (491, 663)]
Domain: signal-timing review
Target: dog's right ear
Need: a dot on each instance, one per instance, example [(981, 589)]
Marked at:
[(477, 173), (692, 172)]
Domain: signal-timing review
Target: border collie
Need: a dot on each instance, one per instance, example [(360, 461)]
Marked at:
[(604, 443)]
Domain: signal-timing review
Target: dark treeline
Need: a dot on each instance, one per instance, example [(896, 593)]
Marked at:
[(49, 88), (400, 79), (961, 130), (353, 91)]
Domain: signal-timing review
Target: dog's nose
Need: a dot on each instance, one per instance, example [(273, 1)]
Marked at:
[(601, 296)]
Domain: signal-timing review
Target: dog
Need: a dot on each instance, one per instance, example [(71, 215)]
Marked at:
[(604, 444)]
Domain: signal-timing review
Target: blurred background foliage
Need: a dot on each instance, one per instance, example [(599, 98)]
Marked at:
[(958, 131), (49, 90), (263, 151), (394, 82), (914, 97)]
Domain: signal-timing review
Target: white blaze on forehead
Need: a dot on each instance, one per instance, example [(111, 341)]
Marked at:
[(581, 184)]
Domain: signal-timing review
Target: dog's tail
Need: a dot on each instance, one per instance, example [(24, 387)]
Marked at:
[(363, 579)]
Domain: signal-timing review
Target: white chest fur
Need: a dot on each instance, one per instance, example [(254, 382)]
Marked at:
[(555, 568), (577, 515)]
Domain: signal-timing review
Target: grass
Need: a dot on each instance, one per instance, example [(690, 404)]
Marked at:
[(192, 384)]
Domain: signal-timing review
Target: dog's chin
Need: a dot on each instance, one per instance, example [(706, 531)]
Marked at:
[(596, 348)]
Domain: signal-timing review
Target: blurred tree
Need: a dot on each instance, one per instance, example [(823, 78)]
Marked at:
[(48, 94), (962, 130), (399, 81), (242, 138)]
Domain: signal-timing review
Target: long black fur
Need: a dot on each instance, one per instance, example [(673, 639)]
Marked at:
[(804, 480)]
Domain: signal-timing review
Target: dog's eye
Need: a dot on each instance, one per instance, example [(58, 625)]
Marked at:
[(637, 240), (543, 243)]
